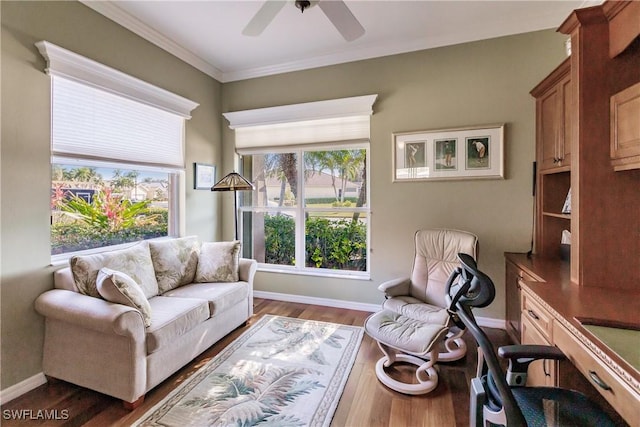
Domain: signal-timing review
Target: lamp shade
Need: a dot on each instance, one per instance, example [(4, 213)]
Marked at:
[(232, 182)]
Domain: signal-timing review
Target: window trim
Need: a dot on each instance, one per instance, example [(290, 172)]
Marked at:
[(300, 210)]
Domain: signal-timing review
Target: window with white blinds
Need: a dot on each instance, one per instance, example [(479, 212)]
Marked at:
[(344, 120), (309, 212), (95, 124), (117, 163)]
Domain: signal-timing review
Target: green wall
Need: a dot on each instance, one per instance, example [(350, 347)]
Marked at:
[(25, 153), (476, 83)]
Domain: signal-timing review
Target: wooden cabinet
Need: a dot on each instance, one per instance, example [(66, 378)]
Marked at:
[(553, 119), (575, 116), (553, 188), (624, 25), (537, 328), (513, 277), (512, 291), (609, 384), (625, 129), (553, 155), (551, 309), (541, 372), (580, 107)]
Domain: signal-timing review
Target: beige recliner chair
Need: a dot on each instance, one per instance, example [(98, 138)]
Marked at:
[(414, 319)]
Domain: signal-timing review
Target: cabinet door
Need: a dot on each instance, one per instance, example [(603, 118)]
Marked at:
[(541, 372), (625, 129), (554, 116), (549, 127)]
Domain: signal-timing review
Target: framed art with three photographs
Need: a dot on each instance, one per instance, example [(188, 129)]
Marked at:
[(204, 176), (461, 153)]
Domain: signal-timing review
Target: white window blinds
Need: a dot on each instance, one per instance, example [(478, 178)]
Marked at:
[(91, 123), (338, 120), (100, 113)]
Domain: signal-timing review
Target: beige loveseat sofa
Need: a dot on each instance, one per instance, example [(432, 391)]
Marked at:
[(188, 296)]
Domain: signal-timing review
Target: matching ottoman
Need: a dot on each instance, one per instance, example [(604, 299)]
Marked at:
[(403, 339)]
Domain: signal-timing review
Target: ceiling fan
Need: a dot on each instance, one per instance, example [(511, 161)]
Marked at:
[(336, 10)]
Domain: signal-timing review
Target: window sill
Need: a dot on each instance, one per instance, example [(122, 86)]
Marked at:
[(63, 259), (263, 268)]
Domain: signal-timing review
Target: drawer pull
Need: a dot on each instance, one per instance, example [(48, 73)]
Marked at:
[(533, 314), (596, 379)]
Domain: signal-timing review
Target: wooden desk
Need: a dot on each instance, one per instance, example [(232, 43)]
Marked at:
[(564, 303)]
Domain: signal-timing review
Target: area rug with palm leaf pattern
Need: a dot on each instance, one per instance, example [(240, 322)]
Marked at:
[(281, 372)]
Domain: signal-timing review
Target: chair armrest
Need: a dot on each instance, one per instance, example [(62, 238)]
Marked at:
[(395, 287), (247, 270), (91, 313), (534, 352), (520, 356)]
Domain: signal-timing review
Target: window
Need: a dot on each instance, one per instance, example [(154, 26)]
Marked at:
[(117, 155), (94, 207), (309, 211)]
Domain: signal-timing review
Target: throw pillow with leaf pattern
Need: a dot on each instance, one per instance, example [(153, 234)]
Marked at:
[(134, 261), (174, 261), (218, 262)]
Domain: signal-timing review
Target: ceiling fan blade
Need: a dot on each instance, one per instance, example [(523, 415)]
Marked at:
[(263, 17), (342, 18)]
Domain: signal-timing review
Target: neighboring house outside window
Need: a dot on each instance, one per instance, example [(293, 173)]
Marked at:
[(117, 162)]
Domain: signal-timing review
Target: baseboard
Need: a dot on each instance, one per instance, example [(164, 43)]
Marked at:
[(352, 305), (490, 322), (22, 387), (327, 302)]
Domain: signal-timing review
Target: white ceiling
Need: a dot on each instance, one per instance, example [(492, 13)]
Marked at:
[(208, 34)]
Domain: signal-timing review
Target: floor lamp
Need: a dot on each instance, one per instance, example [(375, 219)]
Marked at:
[(233, 182)]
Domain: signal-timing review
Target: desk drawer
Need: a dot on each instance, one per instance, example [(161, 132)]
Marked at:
[(623, 399), (537, 315)]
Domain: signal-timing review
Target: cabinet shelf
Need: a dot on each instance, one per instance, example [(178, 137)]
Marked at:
[(557, 215)]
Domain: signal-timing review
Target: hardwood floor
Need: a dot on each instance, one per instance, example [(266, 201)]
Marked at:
[(364, 403)]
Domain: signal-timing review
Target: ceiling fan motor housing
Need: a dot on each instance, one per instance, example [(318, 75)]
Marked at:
[(336, 10), (303, 4)]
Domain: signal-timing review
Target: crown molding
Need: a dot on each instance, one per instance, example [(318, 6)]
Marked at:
[(376, 51), (110, 10), (65, 63)]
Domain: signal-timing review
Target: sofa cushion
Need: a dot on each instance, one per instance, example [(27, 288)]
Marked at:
[(220, 296), (218, 262), (134, 261), (117, 287), (174, 261), (172, 318)]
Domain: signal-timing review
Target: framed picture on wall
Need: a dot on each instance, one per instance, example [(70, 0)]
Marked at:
[(204, 176), (478, 154), (474, 152), (445, 154)]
